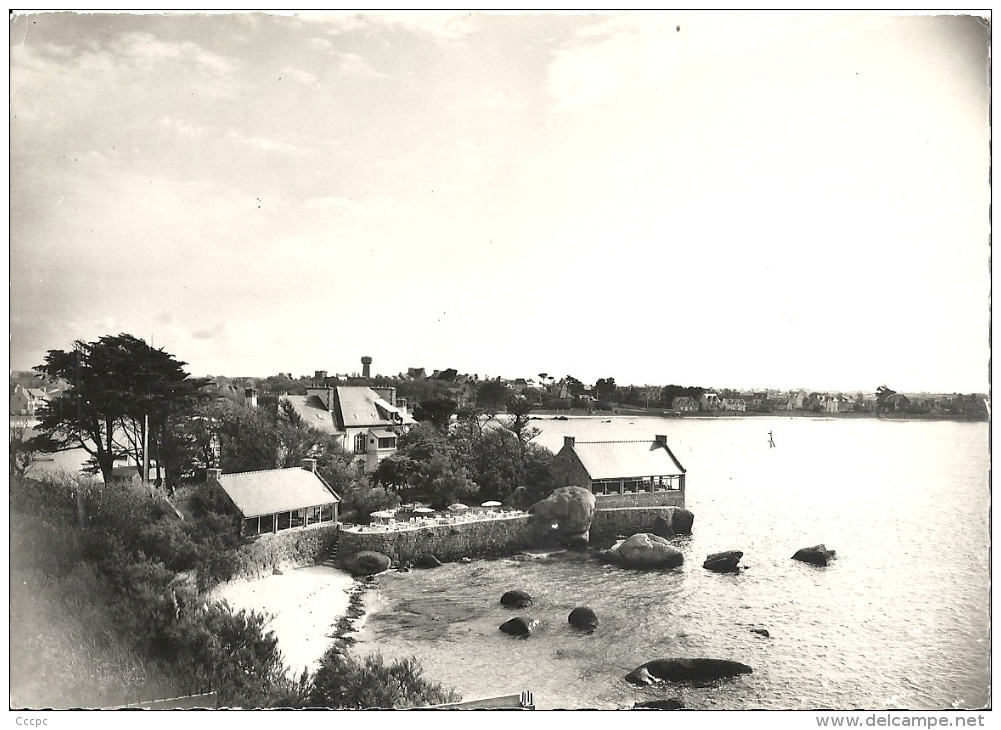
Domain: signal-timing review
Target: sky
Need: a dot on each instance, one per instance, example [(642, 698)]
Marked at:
[(714, 199)]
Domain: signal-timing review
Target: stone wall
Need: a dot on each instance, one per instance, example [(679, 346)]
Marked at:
[(489, 538), (608, 524), (674, 498), (286, 549), (480, 539)]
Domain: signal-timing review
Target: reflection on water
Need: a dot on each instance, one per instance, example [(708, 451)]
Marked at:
[(900, 620)]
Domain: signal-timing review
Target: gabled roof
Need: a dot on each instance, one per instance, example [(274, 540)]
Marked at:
[(612, 459), (313, 412), (359, 407), (258, 493)]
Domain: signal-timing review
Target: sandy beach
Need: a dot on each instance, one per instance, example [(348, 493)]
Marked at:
[(304, 605)]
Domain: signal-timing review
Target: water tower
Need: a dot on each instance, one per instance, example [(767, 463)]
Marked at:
[(366, 367)]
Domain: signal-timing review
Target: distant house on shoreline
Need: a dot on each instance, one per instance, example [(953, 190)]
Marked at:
[(684, 404), (366, 421), (709, 402), (622, 473), (28, 401)]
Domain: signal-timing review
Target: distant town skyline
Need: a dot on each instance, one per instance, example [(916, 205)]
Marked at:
[(746, 200)]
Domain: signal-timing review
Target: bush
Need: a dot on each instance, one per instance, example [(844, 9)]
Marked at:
[(371, 682)]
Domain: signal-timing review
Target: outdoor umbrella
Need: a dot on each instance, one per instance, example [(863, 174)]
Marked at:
[(457, 507), (491, 504)]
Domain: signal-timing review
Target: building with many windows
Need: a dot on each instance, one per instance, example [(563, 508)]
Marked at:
[(274, 500), (366, 421), (622, 473)]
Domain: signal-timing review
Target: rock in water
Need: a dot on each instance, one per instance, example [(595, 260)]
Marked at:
[(583, 618), (366, 562), (427, 561), (520, 626), (682, 521), (686, 670), (516, 599), (761, 632), (663, 528), (567, 512), (645, 550), (659, 705), (816, 555), (724, 562)]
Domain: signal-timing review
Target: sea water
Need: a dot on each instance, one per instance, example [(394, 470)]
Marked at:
[(898, 620)]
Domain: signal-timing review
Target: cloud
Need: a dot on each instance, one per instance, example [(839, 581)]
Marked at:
[(265, 144), (438, 25), (324, 45), (182, 128), (635, 52), (495, 99), (145, 49), (211, 333), (303, 77), (98, 71), (351, 64), (327, 203)]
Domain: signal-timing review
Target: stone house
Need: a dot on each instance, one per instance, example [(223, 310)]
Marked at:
[(622, 473), (709, 402), (684, 404)]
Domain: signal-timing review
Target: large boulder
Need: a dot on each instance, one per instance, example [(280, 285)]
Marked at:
[(645, 550), (427, 561), (520, 498), (366, 562), (816, 555), (682, 520), (519, 626), (724, 562), (516, 599), (568, 512), (686, 670), (583, 618), (669, 704), (662, 527)]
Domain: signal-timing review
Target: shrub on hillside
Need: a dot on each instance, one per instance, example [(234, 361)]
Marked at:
[(372, 682)]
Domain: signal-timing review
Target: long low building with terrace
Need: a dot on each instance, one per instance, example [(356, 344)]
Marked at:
[(623, 473), (274, 500)]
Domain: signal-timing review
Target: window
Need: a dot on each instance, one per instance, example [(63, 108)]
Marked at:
[(387, 443), (360, 446), (326, 512)]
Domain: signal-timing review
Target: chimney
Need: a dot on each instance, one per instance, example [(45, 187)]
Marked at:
[(309, 465), (660, 441), (212, 475), (366, 367), (568, 442), (250, 396)]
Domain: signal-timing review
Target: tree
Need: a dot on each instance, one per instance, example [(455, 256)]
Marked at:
[(882, 396), (437, 411), (427, 465), (24, 448), (121, 391), (491, 395), (604, 389)]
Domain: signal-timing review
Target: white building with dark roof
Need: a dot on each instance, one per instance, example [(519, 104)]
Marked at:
[(366, 421)]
